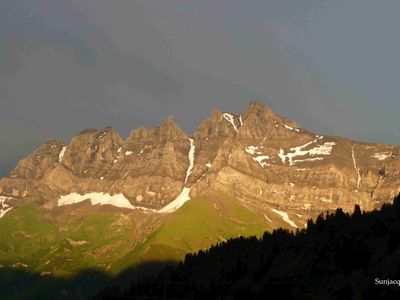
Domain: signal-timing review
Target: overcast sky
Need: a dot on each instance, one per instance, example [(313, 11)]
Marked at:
[(66, 65)]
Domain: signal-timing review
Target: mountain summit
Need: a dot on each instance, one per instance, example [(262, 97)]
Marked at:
[(249, 171)]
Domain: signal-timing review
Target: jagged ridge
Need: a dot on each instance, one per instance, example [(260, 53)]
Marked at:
[(267, 161)]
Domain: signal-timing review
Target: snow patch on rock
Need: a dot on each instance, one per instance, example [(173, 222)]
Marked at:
[(291, 128), (381, 156), (5, 208), (252, 150), (260, 158), (230, 119), (326, 200), (285, 217), (61, 155), (102, 135), (324, 149)]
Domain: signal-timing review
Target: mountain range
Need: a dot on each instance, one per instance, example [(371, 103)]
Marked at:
[(107, 203)]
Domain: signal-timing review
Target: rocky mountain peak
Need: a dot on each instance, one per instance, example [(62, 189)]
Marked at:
[(91, 148), (258, 108), (216, 113), (169, 130), (219, 125), (259, 121), (40, 162), (138, 134), (265, 114), (87, 131), (93, 136)]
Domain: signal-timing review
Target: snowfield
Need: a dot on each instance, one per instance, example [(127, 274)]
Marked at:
[(118, 200), (324, 149), (177, 203)]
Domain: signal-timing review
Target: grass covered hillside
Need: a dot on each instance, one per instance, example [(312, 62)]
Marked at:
[(339, 256), (52, 247), (200, 223), (36, 240)]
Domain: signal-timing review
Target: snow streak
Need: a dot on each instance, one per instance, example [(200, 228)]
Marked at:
[(355, 167), (178, 202), (62, 152), (285, 217), (184, 195), (191, 160)]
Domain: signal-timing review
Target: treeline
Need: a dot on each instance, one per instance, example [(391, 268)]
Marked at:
[(339, 256)]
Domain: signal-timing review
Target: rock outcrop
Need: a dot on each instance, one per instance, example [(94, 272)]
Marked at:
[(266, 161)]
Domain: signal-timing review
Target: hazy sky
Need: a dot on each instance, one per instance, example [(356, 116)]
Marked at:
[(66, 65)]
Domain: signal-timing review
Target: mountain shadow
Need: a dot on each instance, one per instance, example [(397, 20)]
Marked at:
[(19, 284), (339, 256)]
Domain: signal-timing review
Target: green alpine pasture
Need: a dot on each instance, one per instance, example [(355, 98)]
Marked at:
[(35, 239), (198, 224)]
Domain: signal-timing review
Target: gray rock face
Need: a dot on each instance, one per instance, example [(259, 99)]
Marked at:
[(268, 162)]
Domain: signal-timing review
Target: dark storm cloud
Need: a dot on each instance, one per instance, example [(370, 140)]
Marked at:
[(69, 65), (62, 72)]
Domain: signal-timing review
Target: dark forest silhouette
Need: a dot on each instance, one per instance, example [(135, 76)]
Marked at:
[(338, 256)]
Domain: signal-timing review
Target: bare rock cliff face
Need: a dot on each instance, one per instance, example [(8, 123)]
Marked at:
[(266, 161), (273, 164)]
